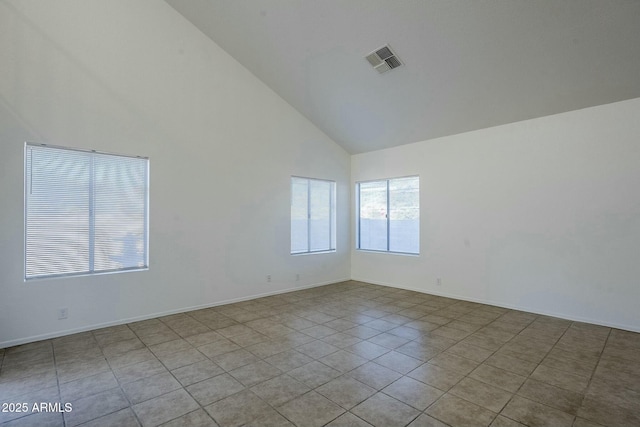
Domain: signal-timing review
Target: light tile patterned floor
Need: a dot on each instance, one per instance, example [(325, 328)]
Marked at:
[(349, 354)]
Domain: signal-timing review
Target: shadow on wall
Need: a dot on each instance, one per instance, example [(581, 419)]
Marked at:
[(549, 267), (61, 76)]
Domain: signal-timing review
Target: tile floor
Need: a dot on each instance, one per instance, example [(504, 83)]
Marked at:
[(349, 354)]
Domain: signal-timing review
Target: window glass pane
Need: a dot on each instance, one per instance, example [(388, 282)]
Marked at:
[(404, 215), (299, 215), (312, 215), (373, 215), (320, 207), (57, 212), (120, 214), (85, 212)]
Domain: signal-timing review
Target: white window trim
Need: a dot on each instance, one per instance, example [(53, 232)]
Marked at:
[(357, 226), (27, 278), (332, 222)]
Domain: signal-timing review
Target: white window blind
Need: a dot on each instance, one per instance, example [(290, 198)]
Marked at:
[(312, 215), (389, 215), (85, 212)]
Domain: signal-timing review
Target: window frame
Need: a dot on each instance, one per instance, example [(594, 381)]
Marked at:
[(387, 216), (332, 214), (91, 271)]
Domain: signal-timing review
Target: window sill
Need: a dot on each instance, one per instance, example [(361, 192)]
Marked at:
[(313, 253), (372, 251), (84, 274)]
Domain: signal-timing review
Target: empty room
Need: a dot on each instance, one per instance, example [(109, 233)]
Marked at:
[(319, 213)]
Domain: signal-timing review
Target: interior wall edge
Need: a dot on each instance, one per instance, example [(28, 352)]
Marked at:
[(57, 334), (631, 328)]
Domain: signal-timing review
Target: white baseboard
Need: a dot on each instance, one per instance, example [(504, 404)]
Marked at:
[(632, 328), (92, 327)]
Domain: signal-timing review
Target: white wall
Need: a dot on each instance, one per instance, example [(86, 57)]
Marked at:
[(541, 215), (136, 78)]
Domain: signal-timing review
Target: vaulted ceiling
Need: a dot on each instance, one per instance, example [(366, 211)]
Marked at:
[(467, 64)]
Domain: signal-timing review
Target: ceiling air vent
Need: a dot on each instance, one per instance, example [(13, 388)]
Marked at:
[(383, 59)]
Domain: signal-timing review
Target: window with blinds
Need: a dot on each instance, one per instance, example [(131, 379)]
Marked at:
[(388, 216), (313, 215), (85, 212)]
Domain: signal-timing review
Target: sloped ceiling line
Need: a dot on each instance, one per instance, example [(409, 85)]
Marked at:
[(466, 65)]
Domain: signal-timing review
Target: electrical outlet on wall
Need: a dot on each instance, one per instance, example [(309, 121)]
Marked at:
[(438, 281), (268, 278), (297, 277), (63, 313)]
